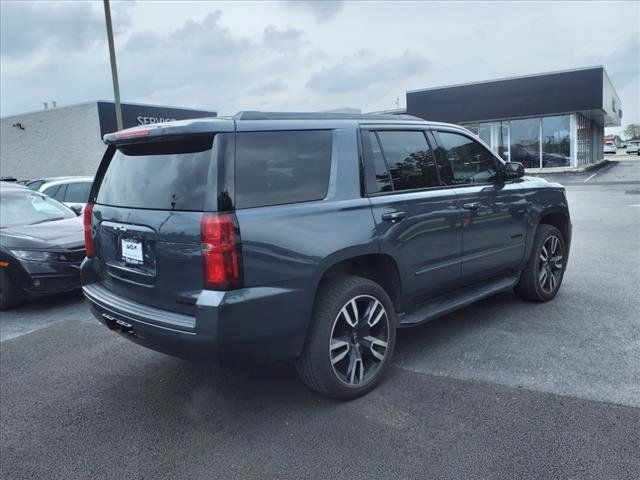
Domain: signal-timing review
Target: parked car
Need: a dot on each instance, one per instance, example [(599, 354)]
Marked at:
[(35, 184), (633, 147), (41, 246), (72, 191), (610, 148), (310, 237)]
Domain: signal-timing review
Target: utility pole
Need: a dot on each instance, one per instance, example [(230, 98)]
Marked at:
[(114, 69)]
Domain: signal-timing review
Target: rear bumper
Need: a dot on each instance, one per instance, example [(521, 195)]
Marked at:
[(250, 324), (153, 328)]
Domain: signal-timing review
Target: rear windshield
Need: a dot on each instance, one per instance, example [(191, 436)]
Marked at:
[(168, 175)]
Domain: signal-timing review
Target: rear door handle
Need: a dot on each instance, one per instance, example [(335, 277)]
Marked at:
[(393, 216), (473, 206)]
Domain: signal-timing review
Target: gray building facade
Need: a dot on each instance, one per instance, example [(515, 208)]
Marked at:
[(546, 120), (68, 140)]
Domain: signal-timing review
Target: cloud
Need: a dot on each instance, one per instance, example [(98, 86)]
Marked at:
[(273, 86), (322, 11), (203, 55), (282, 40), (203, 64), (30, 28), (300, 55), (206, 37), (362, 70)]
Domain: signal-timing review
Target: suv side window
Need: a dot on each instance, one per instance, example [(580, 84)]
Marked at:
[(408, 158), (470, 161), (77, 192), (278, 167)]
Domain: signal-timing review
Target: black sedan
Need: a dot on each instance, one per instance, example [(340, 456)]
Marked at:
[(41, 245)]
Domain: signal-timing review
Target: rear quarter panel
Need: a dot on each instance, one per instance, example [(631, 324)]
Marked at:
[(292, 245)]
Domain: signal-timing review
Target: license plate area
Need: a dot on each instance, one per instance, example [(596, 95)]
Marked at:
[(132, 251), (128, 252)]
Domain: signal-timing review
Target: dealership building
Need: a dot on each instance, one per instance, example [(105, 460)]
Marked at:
[(68, 140), (545, 120)]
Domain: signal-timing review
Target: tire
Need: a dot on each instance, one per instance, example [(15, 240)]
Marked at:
[(341, 360), (541, 279), (9, 296)]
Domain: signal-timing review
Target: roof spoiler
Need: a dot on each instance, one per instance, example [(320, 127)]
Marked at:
[(176, 127)]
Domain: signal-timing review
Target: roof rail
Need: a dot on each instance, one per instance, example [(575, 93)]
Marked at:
[(257, 115)]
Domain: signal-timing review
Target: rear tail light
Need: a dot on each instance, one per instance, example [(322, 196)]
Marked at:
[(221, 252), (88, 238)]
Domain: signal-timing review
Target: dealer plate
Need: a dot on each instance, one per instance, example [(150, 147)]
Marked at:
[(132, 251)]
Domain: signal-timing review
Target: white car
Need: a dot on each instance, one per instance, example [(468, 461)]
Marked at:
[(633, 147), (610, 148), (72, 191)]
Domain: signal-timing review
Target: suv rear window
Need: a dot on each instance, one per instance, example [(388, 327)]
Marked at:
[(167, 175), (278, 167)]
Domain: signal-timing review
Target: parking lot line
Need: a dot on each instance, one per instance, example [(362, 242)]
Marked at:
[(590, 177)]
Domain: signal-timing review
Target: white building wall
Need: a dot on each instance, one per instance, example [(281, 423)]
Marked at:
[(54, 142)]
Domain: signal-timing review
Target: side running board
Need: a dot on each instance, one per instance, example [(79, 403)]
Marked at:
[(446, 304)]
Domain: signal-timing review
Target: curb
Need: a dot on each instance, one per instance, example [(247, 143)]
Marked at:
[(585, 168)]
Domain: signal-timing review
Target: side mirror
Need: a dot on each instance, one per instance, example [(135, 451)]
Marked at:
[(77, 209), (513, 170)]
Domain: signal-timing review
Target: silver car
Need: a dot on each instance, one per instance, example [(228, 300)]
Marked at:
[(633, 147), (72, 191), (610, 148)]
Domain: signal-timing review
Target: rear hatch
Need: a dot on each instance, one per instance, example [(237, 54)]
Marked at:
[(148, 209)]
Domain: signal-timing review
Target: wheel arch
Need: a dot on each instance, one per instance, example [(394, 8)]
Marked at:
[(377, 267), (556, 217), (560, 220)]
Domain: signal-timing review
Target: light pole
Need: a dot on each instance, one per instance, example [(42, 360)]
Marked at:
[(114, 69)]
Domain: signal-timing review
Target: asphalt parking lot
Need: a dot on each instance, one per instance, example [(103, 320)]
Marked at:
[(502, 389)]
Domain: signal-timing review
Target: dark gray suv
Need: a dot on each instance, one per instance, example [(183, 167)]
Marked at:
[(310, 237)]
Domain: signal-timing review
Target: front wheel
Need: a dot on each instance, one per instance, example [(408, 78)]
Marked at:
[(542, 277), (351, 338)]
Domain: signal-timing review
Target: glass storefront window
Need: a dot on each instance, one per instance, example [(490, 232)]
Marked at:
[(501, 143), (472, 127), (537, 142), (494, 134), (484, 132), (556, 141), (525, 142)]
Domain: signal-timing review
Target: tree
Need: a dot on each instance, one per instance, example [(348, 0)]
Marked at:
[(632, 132)]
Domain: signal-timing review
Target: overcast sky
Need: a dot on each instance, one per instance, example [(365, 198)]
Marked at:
[(303, 55)]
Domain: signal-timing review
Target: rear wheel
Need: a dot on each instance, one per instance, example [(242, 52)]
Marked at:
[(9, 296), (351, 338), (541, 279)]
